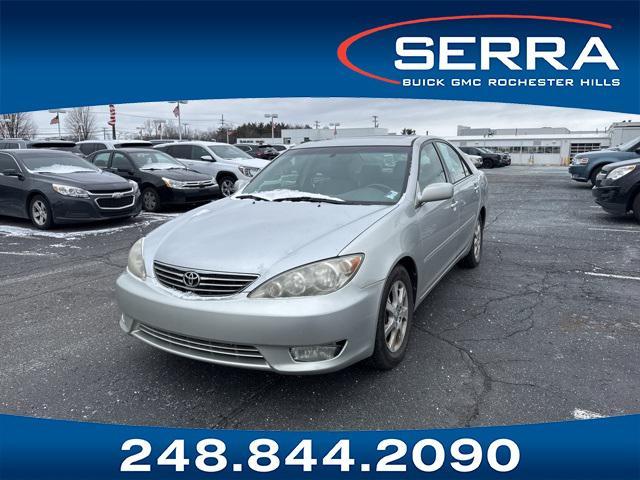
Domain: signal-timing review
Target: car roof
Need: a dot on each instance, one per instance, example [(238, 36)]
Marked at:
[(131, 149), (192, 142), (371, 141), (36, 152)]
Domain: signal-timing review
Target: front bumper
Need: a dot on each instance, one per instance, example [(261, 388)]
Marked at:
[(578, 173), (175, 196), (610, 199), (73, 210), (224, 330)]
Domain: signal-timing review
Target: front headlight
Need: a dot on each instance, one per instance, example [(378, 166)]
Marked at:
[(134, 186), (173, 183), (619, 172), (318, 278), (68, 191), (580, 161), (248, 171), (135, 265)]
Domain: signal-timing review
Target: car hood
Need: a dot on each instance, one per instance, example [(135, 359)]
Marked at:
[(182, 174), (249, 162), (611, 166), (93, 181), (259, 237)]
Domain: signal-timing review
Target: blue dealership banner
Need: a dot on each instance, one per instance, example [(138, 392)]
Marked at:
[(570, 54), (588, 449)]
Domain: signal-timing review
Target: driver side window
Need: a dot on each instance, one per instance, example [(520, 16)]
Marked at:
[(430, 167), (198, 152)]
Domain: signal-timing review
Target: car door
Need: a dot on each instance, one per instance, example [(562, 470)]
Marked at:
[(122, 166), (466, 193), (438, 221), (13, 195)]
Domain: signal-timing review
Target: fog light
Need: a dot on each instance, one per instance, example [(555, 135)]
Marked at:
[(316, 353)]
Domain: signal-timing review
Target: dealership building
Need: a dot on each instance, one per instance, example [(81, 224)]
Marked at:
[(545, 145), (295, 136)]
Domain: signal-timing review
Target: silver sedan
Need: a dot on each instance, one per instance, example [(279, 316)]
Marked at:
[(317, 263)]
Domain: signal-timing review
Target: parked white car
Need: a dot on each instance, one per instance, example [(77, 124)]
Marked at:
[(226, 163), (87, 147)]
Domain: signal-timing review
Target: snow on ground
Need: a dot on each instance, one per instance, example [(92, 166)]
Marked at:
[(13, 231)]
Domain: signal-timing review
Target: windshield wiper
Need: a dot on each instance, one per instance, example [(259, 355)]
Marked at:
[(308, 199), (253, 197)]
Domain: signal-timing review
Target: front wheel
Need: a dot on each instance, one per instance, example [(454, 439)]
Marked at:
[(226, 183), (487, 163), (472, 259), (636, 207), (594, 175), (150, 200), (40, 213), (395, 317)]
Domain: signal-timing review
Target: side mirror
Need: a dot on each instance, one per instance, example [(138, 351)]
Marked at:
[(239, 185), (435, 192), (206, 158), (13, 173)]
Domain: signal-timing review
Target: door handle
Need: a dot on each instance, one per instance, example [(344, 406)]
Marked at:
[(454, 204), (476, 186)]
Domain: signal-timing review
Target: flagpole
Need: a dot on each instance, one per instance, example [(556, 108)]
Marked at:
[(178, 102)]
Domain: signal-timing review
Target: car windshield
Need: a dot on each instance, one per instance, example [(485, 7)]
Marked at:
[(56, 162), (155, 160), (352, 175), (628, 145), (228, 151)]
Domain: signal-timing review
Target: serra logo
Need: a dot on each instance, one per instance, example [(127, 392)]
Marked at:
[(420, 53)]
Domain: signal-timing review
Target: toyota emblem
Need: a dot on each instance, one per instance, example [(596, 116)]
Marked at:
[(191, 279)]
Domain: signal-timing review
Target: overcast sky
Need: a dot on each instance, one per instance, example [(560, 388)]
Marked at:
[(439, 117)]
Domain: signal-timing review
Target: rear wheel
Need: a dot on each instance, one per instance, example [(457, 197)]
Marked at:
[(40, 213), (636, 207), (226, 184), (150, 199), (394, 320), (472, 259), (487, 163)]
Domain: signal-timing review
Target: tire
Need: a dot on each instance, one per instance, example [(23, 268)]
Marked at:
[(636, 207), (225, 182), (472, 259), (389, 350), (150, 200), (487, 163), (594, 174), (40, 213)]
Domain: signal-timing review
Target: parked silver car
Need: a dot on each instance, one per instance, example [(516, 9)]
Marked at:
[(317, 263), (226, 163)]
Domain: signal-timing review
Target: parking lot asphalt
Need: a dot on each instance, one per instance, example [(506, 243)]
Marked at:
[(546, 329)]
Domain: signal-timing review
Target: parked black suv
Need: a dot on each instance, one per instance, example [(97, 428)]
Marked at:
[(586, 166), (162, 179), (51, 187), (617, 188), (489, 159)]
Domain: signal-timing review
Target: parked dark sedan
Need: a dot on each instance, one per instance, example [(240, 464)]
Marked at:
[(263, 151), (489, 159), (617, 188), (162, 179), (586, 166), (53, 187)]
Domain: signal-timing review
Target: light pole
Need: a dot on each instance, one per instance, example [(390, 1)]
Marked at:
[(375, 121), (58, 111), (176, 112), (271, 116), (335, 128)]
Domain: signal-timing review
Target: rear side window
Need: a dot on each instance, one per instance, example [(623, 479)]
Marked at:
[(87, 148), (179, 151), (101, 160), (430, 168), (453, 162), (11, 145)]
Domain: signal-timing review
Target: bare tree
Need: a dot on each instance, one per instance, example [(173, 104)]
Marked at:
[(80, 122), (17, 125)]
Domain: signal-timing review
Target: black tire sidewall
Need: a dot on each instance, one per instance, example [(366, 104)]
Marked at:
[(152, 190), (49, 223), (382, 357), (636, 207)]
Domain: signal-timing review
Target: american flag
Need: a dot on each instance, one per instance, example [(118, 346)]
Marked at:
[(55, 120), (112, 115), (176, 111)]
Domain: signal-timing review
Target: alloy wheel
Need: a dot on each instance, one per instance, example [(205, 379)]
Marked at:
[(477, 241), (396, 316), (39, 212), (150, 201), (226, 187)]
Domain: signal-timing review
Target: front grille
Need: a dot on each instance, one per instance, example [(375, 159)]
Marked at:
[(110, 202), (125, 188), (199, 184), (211, 284), (204, 349)]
